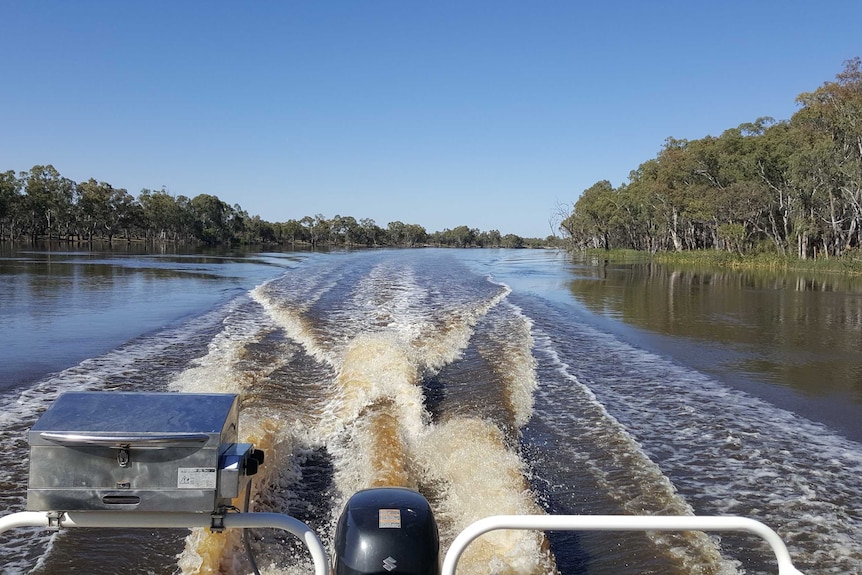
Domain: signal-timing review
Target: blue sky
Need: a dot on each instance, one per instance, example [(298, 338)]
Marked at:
[(486, 114)]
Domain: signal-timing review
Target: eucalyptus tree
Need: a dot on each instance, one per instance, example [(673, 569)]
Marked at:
[(512, 241), (395, 233), (292, 231), (414, 235), (407, 235), (812, 171), (597, 206), (645, 202), (579, 229), (372, 234), (211, 218), (236, 224), (636, 216), (345, 230), (93, 199), (307, 223), (163, 215), (730, 198), (316, 229), (792, 165), (256, 229), (126, 216), (49, 199), (319, 229), (770, 162), (677, 191), (461, 236), (11, 204), (835, 111)]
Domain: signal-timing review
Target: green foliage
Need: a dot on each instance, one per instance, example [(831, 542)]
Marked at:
[(41, 204), (787, 188), (11, 205)]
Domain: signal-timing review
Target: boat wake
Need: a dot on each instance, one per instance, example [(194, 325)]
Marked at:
[(376, 340)]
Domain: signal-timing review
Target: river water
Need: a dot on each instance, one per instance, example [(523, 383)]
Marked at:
[(494, 381)]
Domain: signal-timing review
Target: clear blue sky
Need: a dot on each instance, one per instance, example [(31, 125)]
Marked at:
[(488, 114)]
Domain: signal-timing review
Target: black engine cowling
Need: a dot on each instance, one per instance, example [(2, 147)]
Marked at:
[(388, 530)]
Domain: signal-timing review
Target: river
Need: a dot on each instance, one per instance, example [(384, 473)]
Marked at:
[(494, 381)]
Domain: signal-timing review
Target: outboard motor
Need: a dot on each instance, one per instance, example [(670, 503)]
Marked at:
[(387, 530)]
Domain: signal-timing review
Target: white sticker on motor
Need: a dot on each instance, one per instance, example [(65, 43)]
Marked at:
[(389, 519), (196, 478)]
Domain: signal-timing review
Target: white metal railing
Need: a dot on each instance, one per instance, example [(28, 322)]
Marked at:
[(618, 523), (450, 562), (155, 520)]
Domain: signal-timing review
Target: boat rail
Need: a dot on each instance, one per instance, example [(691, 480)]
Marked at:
[(619, 523), (156, 520), (450, 562)]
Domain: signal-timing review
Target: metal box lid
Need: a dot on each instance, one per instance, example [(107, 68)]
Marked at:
[(130, 451), (150, 417)]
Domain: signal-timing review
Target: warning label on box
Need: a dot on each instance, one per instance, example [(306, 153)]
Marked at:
[(196, 478)]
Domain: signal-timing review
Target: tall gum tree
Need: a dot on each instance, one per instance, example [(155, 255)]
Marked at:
[(11, 204), (835, 110), (49, 199)]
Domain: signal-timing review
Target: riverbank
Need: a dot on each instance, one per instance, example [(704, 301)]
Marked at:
[(848, 264)]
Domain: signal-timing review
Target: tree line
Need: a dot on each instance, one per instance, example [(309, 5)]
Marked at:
[(791, 187), (40, 204)]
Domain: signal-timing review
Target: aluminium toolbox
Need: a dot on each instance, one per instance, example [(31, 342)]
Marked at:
[(138, 452)]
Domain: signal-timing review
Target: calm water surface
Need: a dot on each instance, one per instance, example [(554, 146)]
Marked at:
[(61, 306), (793, 339), (494, 381)]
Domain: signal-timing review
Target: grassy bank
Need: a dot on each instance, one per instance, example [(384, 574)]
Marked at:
[(850, 263)]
